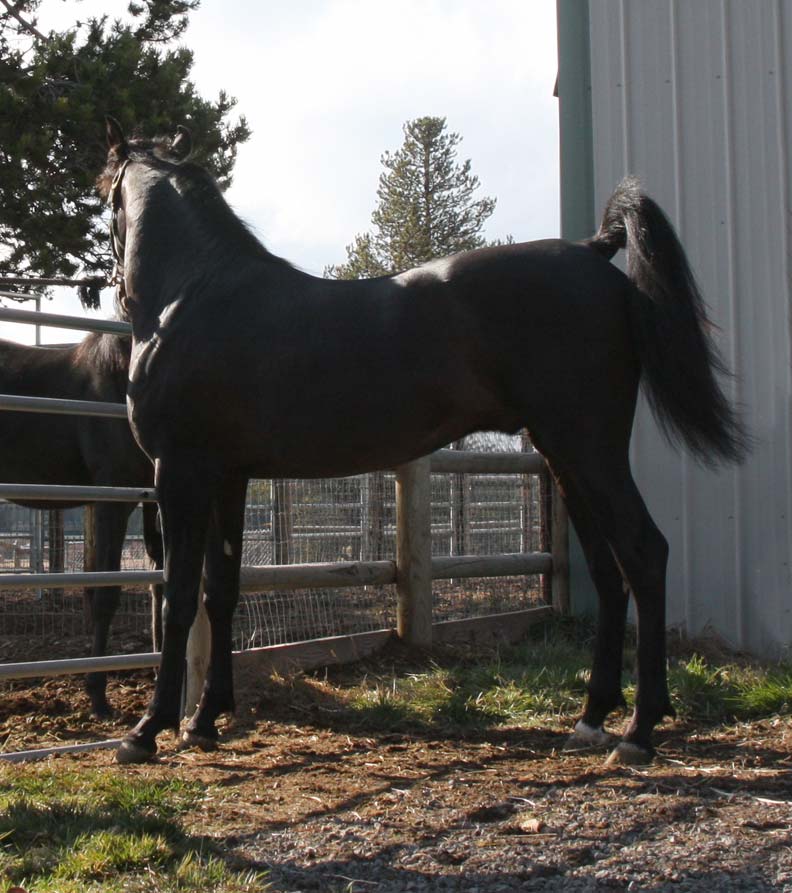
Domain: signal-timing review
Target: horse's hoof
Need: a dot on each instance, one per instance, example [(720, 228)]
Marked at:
[(102, 714), (202, 742), (586, 737), (629, 754), (132, 752)]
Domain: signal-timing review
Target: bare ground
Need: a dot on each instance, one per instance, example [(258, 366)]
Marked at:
[(296, 790)]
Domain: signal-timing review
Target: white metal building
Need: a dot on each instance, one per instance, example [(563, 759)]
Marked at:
[(694, 97)]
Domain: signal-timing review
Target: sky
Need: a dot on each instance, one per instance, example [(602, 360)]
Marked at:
[(326, 86)]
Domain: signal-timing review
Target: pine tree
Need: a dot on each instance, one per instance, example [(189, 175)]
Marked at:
[(55, 90), (426, 207)]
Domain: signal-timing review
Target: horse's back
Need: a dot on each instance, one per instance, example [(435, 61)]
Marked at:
[(532, 307), (95, 368), (41, 448), (551, 323), (291, 374)]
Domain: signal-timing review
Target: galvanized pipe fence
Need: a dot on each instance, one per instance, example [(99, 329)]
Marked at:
[(412, 571)]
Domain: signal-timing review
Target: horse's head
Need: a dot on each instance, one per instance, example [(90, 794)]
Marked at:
[(120, 154), (160, 152), (120, 150), (171, 230)]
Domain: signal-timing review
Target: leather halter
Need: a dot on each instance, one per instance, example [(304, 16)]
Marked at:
[(117, 244)]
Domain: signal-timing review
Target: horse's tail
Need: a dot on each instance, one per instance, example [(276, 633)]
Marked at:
[(678, 357)]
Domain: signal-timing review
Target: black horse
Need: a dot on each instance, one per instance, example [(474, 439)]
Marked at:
[(80, 450), (243, 366)]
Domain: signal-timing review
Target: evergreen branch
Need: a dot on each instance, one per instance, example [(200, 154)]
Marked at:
[(13, 11), (31, 280)]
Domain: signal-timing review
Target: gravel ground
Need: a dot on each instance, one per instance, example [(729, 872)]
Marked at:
[(293, 792), (333, 812)]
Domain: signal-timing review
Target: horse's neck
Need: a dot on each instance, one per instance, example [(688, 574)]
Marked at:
[(161, 259), (192, 254)]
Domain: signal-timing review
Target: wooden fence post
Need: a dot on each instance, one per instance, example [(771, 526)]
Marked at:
[(460, 509), (57, 545), (560, 551), (414, 553), (89, 552), (282, 522), (372, 516), (546, 489)]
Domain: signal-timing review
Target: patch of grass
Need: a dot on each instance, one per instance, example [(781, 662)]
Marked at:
[(732, 690), (542, 682), (700, 690), (89, 830), (770, 693)]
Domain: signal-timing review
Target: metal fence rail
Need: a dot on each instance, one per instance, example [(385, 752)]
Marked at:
[(68, 493), (64, 407), (61, 321)]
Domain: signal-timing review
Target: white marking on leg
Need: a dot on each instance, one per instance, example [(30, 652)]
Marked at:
[(629, 754), (585, 735), (227, 548)]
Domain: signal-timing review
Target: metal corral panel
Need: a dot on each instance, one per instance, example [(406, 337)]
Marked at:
[(694, 98)]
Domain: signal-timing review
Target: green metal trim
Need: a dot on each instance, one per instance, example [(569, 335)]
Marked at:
[(576, 137), (575, 120)]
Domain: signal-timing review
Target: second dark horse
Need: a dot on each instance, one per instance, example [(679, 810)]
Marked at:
[(43, 449)]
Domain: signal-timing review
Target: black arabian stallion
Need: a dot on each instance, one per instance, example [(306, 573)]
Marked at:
[(42, 449), (243, 366)]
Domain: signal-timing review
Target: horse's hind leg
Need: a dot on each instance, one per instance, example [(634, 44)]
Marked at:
[(221, 593), (641, 552), (604, 688)]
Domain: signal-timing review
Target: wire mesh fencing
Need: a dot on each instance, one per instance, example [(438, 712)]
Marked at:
[(53, 540), (298, 522)]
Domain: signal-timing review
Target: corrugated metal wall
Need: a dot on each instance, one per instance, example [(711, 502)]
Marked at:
[(694, 97)]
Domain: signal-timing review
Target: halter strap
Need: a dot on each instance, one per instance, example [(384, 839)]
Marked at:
[(114, 200), (117, 244)]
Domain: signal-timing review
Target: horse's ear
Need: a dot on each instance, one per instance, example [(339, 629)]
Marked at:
[(116, 141), (181, 144)]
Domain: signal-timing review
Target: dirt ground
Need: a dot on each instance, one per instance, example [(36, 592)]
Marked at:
[(295, 791)]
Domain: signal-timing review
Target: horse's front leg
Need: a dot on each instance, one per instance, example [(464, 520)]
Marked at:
[(110, 523), (221, 593), (152, 538), (183, 493)]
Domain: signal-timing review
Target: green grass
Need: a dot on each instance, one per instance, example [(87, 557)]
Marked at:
[(727, 691), (542, 682), (85, 830), (528, 685)]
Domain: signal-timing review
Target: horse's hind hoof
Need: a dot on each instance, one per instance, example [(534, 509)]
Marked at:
[(202, 742), (629, 754), (132, 752), (586, 737)]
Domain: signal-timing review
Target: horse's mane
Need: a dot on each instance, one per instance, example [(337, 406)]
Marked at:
[(200, 188), (229, 233), (109, 353)]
